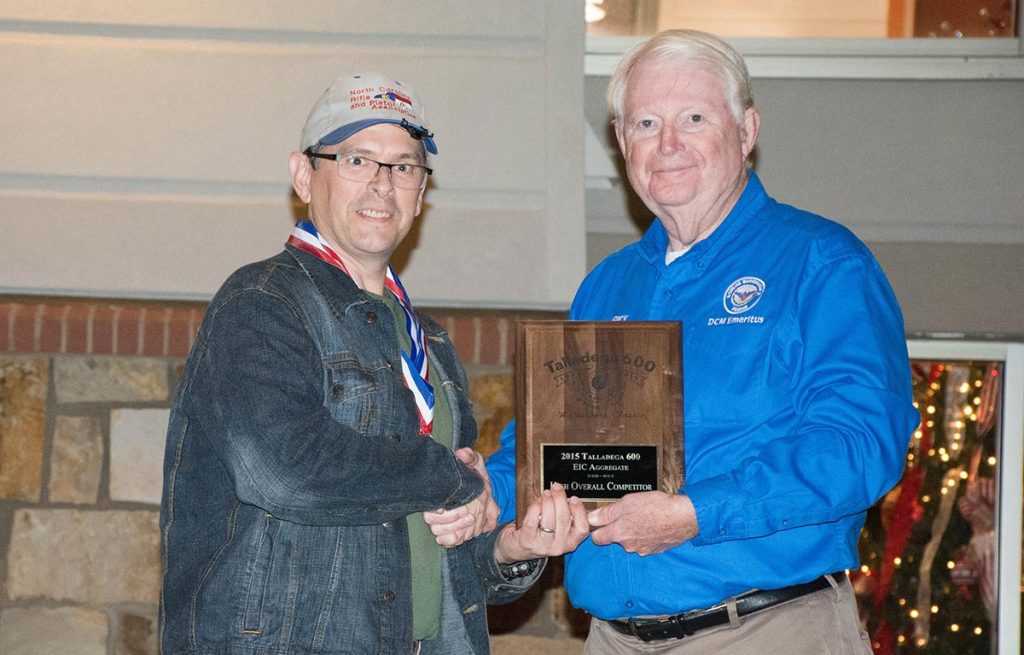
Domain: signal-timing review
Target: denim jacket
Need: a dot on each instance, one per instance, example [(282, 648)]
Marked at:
[(292, 458)]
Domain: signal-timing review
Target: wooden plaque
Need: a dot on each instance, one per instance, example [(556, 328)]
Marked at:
[(599, 409)]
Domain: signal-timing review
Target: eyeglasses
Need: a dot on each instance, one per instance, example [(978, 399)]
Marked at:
[(356, 168)]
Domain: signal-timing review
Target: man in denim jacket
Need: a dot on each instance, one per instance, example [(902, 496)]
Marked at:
[(320, 492)]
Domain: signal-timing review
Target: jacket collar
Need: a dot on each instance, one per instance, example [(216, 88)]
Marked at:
[(337, 288)]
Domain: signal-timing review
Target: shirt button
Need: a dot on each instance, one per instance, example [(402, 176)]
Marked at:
[(785, 523), (389, 596), (395, 437), (629, 604), (721, 533), (371, 316), (700, 264), (668, 294), (337, 390)]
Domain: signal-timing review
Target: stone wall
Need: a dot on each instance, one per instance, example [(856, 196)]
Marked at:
[(85, 388)]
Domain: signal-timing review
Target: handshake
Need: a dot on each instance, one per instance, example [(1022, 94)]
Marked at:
[(553, 524)]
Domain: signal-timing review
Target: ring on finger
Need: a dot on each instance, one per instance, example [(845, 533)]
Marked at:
[(545, 530)]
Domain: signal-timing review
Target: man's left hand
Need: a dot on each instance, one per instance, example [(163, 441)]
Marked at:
[(645, 523), (553, 524)]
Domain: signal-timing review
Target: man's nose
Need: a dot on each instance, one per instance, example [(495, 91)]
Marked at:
[(668, 140), (381, 182)]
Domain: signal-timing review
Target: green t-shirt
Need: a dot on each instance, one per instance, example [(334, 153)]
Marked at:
[(426, 554)]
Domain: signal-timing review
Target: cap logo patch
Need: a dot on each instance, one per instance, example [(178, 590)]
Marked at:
[(743, 294), (394, 97)]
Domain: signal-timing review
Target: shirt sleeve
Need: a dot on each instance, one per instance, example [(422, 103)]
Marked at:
[(849, 383), (501, 466), (257, 395)]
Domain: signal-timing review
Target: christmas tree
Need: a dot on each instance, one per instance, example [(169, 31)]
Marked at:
[(927, 577)]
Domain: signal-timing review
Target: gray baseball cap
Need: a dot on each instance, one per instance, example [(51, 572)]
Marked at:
[(355, 102)]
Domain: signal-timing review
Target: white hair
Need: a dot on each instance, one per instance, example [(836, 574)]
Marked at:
[(685, 46)]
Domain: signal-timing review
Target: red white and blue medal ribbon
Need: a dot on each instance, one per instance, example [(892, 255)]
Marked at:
[(414, 364)]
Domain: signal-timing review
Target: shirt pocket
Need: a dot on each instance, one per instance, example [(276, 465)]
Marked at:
[(352, 392)]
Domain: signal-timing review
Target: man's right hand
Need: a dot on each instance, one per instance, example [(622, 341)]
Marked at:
[(645, 523), (456, 526)]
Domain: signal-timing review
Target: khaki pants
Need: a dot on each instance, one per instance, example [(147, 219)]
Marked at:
[(821, 623)]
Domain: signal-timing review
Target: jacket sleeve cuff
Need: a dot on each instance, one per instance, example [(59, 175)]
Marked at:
[(501, 589)]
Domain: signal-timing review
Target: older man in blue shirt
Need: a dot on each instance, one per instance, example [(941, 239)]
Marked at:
[(797, 395)]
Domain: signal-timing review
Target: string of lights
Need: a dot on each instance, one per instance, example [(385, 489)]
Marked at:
[(926, 583)]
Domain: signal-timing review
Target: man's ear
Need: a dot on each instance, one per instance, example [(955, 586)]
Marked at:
[(751, 128), (419, 200), (617, 124), (301, 171)]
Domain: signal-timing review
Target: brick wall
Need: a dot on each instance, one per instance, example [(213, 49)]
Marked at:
[(86, 327), (85, 388)]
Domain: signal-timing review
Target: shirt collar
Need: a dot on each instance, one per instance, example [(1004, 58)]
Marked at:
[(654, 243)]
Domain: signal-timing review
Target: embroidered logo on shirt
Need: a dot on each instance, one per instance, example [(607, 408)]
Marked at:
[(620, 317), (743, 294)]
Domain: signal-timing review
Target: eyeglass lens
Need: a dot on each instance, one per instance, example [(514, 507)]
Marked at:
[(361, 169)]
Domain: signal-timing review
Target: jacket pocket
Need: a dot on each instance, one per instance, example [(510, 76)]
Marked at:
[(351, 391), (258, 577)]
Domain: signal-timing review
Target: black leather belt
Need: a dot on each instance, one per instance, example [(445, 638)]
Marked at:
[(687, 623)]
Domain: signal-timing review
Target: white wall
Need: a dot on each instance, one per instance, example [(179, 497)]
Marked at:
[(143, 150), (144, 144)]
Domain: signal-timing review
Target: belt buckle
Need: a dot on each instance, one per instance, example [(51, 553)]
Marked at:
[(635, 631)]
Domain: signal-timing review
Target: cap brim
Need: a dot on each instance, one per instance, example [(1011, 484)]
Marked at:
[(345, 131)]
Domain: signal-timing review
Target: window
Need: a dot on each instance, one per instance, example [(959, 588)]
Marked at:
[(868, 19), (829, 39)]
